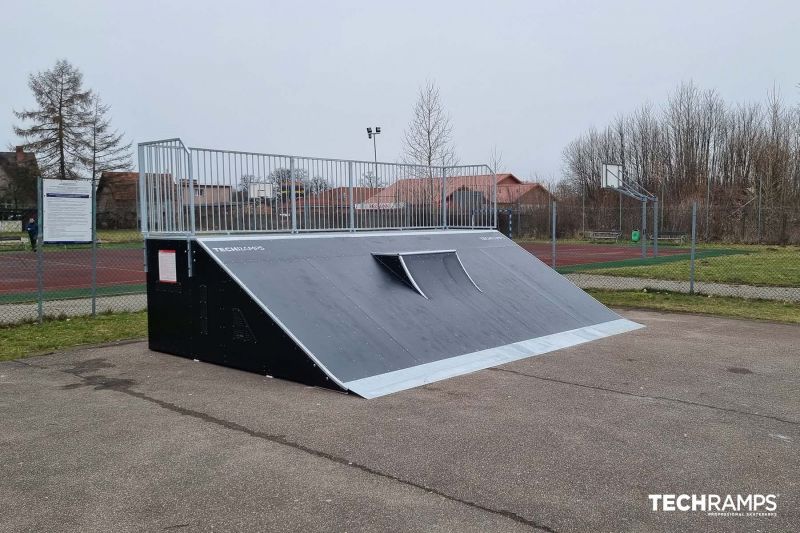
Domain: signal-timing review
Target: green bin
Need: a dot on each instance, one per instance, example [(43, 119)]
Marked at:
[(635, 235)]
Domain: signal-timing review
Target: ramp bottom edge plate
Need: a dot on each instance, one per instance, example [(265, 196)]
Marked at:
[(383, 384)]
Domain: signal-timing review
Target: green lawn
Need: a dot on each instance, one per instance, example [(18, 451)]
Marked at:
[(31, 339), (64, 294), (119, 235), (705, 305), (126, 238), (762, 266)]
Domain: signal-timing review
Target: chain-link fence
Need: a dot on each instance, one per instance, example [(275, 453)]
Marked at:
[(599, 248), (102, 273), (611, 249)]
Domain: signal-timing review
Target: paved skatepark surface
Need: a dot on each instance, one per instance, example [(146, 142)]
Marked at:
[(118, 438)]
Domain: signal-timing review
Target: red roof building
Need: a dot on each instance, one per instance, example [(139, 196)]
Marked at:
[(337, 197), (460, 190)]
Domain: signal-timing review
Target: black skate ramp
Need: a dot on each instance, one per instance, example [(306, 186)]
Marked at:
[(381, 312)]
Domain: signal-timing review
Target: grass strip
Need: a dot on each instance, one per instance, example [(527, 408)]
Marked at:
[(67, 294), (23, 340), (768, 267), (699, 304)]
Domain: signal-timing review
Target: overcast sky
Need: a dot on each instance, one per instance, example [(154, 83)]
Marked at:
[(307, 78)]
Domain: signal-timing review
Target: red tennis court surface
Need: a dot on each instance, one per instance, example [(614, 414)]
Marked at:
[(585, 253), (71, 269)]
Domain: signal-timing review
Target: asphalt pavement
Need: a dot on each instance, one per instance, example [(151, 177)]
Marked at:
[(119, 438)]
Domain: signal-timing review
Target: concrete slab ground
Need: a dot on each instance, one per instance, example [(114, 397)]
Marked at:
[(119, 438)]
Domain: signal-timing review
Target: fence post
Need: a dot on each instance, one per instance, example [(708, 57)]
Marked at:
[(94, 249), (708, 205), (444, 197), (39, 257), (694, 240), (655, 227), (643, 236), (758, 231), (553, 237), (294, 197), (583, 209), (352, 209)]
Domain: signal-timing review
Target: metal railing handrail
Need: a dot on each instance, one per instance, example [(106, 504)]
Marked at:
[(228, 204), (336, 160)]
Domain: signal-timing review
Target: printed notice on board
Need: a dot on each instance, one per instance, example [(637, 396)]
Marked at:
[(167, 269), (67, 210)]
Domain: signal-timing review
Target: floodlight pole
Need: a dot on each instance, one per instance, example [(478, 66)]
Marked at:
[(372, 134), (375, 153)]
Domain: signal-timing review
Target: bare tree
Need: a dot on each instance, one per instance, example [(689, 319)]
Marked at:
[(316, 185), (281, 181), (369, 179), (428, 141), (741, 162), (57, 133), (496, 162), (106, 150)]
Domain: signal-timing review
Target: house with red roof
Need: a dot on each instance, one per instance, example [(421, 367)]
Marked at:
[(460, 192)]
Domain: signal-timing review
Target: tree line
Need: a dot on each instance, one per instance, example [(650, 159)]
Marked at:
[(730, 157)]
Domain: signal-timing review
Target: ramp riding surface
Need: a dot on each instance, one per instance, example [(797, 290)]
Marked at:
[(385, 311)]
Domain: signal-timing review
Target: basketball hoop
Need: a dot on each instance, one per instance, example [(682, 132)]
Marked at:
[(611, 176)]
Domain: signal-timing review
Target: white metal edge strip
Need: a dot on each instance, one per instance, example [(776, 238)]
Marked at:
[(272, 315), (383, 384)]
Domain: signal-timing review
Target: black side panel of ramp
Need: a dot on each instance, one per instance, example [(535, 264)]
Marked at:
[(210, 317), (487, 301), (169, 325)]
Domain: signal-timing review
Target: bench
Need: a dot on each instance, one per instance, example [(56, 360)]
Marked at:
[(605, 235), (670, 236), (12, 241)]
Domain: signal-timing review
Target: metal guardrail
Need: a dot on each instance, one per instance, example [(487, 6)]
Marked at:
[(200, 190)]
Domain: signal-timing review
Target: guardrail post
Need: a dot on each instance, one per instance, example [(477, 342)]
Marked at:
[(352, 208), (294, 196), (444, 198), (494, 199), (143, 226), (191, 191), (143, 213)]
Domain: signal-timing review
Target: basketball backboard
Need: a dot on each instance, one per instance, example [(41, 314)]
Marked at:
[(611, 176)]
